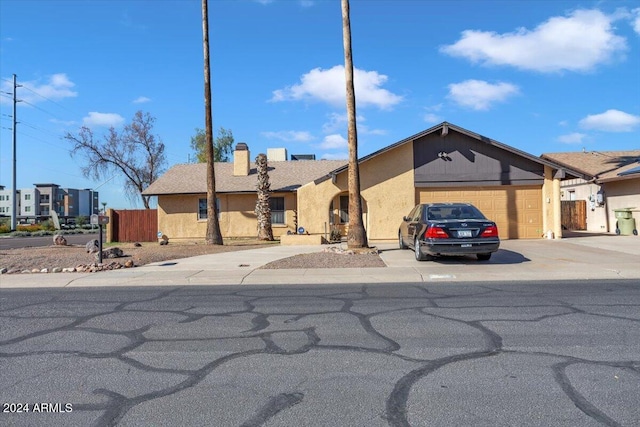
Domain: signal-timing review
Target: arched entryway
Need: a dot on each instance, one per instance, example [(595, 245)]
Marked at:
[(338, 210)]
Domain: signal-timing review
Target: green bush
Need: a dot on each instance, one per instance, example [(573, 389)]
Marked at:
[(47, 225), (4, 229), (29, 228), (81, 220)]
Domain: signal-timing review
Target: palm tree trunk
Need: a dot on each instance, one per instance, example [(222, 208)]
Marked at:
[(213, 237), (356, 236)]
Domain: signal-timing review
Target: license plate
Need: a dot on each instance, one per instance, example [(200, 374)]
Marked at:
[(464, 233), (466, 245)]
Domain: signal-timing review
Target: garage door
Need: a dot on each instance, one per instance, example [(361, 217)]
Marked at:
[(516, 210)]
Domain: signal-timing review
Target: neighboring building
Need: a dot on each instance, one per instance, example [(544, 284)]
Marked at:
[(36, 204), (6, 201), (519, 191), (615, 184)]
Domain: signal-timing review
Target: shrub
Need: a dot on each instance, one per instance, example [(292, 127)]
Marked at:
[(4, 229), (29, 228), (47, 225), (335, 235), (82, 220)]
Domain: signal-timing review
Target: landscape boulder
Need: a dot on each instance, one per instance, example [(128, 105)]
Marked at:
[(114, 252), (92, 246), (59, 240)]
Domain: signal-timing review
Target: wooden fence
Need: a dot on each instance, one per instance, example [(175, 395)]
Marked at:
[(574, 214), (138, 225)]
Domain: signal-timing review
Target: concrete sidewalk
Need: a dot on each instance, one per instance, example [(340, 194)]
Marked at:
[(586, 257)]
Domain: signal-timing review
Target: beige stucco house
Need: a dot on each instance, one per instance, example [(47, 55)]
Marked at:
[(519, 191), (614, 183)]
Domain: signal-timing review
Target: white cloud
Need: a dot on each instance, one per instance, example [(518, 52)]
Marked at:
[(307, 3), (103, 119), (572, 138), (289, 135), (563, 123), (636, 20), (336, 122), (479, 95), (329, 86), (611, 121), (577, 42), (333, 142), (432, 118), (55, 88), (141, 100), (264, 2)]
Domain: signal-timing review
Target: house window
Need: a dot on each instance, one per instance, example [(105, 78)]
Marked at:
[(276, 204), (27, 196), (27, 208), (572, 195), (202, 208), (344, 209), (1, 197)]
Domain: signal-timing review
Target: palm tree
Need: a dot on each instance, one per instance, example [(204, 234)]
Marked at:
[(356, 236), (213, 237), (263, 211)]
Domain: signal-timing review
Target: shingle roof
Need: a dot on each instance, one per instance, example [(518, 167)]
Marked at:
[(604, 165), (283, 176)]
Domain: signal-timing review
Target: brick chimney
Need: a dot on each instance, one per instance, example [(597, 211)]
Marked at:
[(241, 160)]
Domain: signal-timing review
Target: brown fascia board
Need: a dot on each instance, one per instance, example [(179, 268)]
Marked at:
[(449, 126)]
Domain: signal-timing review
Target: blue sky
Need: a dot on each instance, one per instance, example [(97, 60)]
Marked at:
[(541, 76)]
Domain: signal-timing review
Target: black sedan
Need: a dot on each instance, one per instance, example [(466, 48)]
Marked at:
[(437, 229)]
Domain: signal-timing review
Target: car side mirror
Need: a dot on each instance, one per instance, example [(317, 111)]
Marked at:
[(405, 218)]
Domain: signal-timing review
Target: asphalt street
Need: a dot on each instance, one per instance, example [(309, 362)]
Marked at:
[(561, 353)]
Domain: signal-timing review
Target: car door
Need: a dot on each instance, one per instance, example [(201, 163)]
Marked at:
[(404, 227), (415, 224)]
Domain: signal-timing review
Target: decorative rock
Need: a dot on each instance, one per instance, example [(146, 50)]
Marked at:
[(56, 270), (35, 270), (128, 264), (164, 242), (92, 246), (26, 271), (44, 270), (137, 244), (3, 270), (114, 252), (59, 240)]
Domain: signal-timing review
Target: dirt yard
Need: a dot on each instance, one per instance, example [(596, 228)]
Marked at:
[(72, 256)]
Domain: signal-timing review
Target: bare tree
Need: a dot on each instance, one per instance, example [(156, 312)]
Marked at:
[(214, 236), (135, 153), (263, 210), (356, 236)]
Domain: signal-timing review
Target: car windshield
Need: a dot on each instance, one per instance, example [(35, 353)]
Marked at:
[(453, 212)]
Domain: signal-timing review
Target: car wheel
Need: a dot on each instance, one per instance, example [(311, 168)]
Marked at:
[(484, 257), (416, 247), (401, 242)]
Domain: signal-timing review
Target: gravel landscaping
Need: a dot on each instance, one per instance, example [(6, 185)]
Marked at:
[(75, 257)]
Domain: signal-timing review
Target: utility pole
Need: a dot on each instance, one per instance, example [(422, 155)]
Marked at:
[(14, 206)]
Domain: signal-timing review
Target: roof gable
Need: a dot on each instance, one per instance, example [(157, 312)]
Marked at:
[(443, 129)]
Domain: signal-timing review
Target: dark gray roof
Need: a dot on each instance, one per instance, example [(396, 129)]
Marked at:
[(191, 178)]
